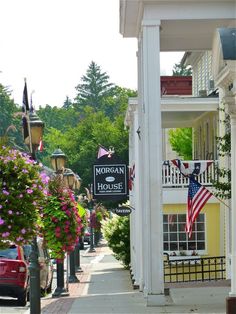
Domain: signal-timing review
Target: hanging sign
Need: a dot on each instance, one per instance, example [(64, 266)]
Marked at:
[(122, 211), (110, 177)]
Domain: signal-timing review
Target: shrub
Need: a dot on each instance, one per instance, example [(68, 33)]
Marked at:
[(117, 233)]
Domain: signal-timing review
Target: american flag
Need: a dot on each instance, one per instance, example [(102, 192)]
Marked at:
[(198, 195)]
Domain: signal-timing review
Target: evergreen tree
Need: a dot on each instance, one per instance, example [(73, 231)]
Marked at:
[(67, 103), (181, 70), (94, 89)]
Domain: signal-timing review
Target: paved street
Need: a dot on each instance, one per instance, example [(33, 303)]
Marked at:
[(105, 288)]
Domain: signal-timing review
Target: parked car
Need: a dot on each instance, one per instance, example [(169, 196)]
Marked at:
[(45, 263), (14, 273)]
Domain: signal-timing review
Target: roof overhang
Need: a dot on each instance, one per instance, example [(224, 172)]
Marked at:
[(186, 25)]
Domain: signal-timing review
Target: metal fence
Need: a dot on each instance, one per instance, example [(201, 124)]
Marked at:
[(194, 269)]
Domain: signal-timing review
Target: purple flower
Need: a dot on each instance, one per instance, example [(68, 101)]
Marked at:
[(5, 192), (5, 234), (25, 171), (23, 231), (20, 196), (10, 212), (0, 206), (1, 221), (29, 191)]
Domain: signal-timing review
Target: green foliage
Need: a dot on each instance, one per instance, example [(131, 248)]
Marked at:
[(181, 142), (21, 196), (117, 233), (181, 70), (10, 120), (222, 184), (97, 117)]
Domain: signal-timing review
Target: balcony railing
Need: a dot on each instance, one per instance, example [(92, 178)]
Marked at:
[(171, 176)]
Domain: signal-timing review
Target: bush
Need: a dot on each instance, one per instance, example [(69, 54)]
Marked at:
[(117, 233)]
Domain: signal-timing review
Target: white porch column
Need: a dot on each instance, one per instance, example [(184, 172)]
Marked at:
[(153, 276), (230, 102)]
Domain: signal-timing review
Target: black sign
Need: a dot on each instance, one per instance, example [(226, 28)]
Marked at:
[(110, 177), (122, 211)]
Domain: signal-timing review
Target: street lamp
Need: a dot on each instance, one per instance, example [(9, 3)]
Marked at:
[(35, 126), (58, 159)]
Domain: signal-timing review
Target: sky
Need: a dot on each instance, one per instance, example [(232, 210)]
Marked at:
[(52, 42)]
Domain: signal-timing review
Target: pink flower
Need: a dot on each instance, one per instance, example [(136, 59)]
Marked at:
[(5, 234), (1, 221), (29, 191)]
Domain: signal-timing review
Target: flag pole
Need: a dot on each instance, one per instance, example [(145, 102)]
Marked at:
[(220, 200)]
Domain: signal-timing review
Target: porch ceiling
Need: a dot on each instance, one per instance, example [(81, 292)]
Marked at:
[(178, 111), (186, 25)]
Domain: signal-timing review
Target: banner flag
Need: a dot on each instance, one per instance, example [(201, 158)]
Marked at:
[(102, 151)]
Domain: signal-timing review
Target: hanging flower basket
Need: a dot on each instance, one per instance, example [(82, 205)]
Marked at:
[(61, 223), (22, 196)]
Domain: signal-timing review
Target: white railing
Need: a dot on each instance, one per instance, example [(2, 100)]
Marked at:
[(171, 176)]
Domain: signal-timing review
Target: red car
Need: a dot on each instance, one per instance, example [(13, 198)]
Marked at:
[(14, 274)]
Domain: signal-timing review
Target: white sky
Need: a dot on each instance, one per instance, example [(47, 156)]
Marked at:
[(52, 42)]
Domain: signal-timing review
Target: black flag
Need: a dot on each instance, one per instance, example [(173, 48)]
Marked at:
[(25, 105), (25, 110)]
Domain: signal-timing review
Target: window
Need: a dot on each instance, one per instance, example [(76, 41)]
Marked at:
[(175, 239)]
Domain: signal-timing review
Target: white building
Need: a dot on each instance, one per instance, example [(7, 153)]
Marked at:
[(172, 25)]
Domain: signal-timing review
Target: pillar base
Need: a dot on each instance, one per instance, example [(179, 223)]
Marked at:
[(231, 305), (156, 300), (73, 279), (60, 292)]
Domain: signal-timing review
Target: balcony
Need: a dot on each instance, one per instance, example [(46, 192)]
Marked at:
[(172, 178)]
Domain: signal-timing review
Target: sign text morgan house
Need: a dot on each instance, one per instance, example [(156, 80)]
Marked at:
[(109, 179)]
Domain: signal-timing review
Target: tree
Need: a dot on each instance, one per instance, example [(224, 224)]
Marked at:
[(67, 103), (94, 89), (10, 126), (222, 183), (181, 70), (181, 142)]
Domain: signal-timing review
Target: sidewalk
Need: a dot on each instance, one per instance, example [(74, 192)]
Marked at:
[(105, 287)]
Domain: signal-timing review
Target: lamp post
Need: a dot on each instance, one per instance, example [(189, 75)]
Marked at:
[(77, 185), (90, 206), (58, 159), (70, 179), (35, 127)]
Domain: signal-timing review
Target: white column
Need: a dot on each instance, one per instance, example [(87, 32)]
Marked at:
[(132, 198), (232, 111), (139, 178), (153, 281)]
